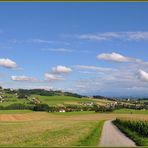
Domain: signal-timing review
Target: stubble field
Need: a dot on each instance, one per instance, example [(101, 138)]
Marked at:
[(24, 128)]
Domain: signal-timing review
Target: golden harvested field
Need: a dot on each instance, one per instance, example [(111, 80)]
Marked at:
[(43, 133), (54, 129), (68, 116), (43, 129)]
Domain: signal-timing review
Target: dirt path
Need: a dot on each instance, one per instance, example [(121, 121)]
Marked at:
[(112, 136)]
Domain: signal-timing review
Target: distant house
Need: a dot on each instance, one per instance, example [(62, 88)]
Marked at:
[(16, 95), (88, 103), (115, 102), (1, 99), (36, 101), (128, 99), (62, 110)]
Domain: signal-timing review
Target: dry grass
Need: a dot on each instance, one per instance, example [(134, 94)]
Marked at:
[(43, 133), (78, 117), (49, 129)]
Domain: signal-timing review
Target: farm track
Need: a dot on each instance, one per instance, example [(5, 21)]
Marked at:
[(112, 136)]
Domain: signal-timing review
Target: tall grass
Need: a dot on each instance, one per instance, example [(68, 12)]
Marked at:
[(92, 139), (136, 130)]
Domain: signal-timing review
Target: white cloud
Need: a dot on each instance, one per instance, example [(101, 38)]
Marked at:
[(52, 77), (23, 78), (45, 87), (40, 41), (59, 50), (95, 68), (92, 37), (61, 69), (7, 63), (143, 75), (56, 73), (116, 57), (139, 35)]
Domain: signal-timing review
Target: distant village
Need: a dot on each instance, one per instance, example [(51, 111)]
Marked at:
[(35, 103)]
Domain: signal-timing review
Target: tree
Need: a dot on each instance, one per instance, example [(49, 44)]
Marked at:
[(41, 107)]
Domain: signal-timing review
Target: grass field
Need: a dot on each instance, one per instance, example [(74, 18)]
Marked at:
[(58, 100), (48, 132), (53, 100), (130, 111), (25, 128)]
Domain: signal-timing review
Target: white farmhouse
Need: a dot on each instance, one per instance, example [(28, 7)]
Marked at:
[(62, 110)]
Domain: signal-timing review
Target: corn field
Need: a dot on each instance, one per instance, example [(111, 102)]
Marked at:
[(141, 127)]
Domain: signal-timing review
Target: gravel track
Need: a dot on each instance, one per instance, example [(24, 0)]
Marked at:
[(112, 136)]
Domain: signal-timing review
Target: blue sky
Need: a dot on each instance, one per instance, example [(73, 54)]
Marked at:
[(88, 48)]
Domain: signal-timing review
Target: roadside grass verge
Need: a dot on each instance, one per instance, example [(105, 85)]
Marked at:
[(126, 127), (93, 138)]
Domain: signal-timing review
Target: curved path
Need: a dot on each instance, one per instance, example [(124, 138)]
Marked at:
[(112, 136)]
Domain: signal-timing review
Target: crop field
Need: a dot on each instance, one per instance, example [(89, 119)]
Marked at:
[(45, 133), (45, 129), (14, 111), (26, 128), (137, 130)]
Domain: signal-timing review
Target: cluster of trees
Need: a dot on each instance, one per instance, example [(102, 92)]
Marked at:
[(23, 93), (102, 97), (46, 107), (73, 94), (101, 108), (17, 106), (66, 107)]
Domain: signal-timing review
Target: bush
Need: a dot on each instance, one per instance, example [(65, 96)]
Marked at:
[(15, 106), (1, 107), (41, 107), (53, 109)]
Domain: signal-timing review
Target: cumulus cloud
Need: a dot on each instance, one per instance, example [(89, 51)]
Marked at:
[(7, 63), (23, 78), (139, 35), (52, 77), (143, 75), (61, 69), (116, 57)]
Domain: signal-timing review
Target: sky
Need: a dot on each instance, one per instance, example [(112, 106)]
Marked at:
[(91, 48)]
